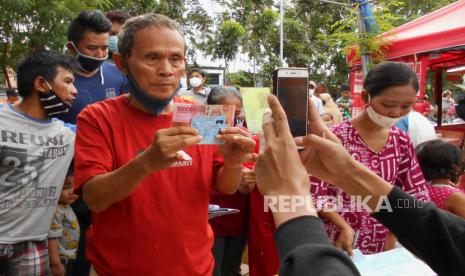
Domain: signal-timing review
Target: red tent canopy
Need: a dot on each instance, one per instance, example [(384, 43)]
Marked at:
[(441, 33)]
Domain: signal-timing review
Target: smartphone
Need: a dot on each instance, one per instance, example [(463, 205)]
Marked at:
[(290, 85)]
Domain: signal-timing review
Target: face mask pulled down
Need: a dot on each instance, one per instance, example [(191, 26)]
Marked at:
[(152, 105), (52, 104), (381, 120), (87, 63)]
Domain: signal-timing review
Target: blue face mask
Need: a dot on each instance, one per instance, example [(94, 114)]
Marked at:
[(154, 106), (113, 44)]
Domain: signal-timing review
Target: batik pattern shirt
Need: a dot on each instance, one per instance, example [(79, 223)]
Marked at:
[(396, 163)]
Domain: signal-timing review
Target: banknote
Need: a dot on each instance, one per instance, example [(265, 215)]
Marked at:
[(184, 112)]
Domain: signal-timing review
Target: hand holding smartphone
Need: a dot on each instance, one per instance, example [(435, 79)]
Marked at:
[(290, 85)]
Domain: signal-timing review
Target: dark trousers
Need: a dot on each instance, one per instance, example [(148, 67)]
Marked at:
[(227, 252), (68, 266), (81, 266)]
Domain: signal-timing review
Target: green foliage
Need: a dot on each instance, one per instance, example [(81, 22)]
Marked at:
[(31, 24), (345, 37), (241, 79), (225, 43), (316, 34)]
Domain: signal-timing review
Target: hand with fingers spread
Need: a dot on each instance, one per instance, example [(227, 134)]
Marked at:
[(238, 146), (165, 146)]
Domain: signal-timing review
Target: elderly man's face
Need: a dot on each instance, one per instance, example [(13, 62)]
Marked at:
[(157, 61)]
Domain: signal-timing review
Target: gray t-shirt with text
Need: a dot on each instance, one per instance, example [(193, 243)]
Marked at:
[(34, 159)]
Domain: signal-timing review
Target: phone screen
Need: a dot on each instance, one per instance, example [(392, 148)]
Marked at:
[(293, 96)]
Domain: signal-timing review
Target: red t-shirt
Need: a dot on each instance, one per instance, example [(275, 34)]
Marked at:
[(236, 224), (162, 227), (422, 107), (263, 255)]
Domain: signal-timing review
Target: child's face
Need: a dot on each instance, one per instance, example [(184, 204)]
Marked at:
[(346, 94), (231, 100), (67, 196)]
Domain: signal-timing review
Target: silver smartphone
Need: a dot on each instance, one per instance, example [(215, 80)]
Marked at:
[(290, 85)]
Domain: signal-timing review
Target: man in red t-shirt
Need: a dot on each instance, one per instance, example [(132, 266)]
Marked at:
[(150, 204)]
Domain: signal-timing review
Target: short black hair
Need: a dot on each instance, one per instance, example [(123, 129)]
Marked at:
[(118, 16), (41, 63), (130, 28), (388, 74), (344, 87), (88, 21), (198, 70), (439, 159)]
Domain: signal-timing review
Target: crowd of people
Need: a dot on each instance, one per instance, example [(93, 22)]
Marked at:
[(94, 180)]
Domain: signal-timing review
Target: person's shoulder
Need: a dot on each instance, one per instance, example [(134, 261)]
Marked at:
[(108, 67), (187, 92), (108, 106), (401, 137), (343, 131), (63, 126)]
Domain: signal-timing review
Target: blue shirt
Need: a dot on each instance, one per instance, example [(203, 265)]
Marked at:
[(403, 124), (106, 83)]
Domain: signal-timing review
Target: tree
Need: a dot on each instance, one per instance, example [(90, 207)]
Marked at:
[(26, 25), (241, 79), (225, 43), (412, 9), (260, 21), (190, 14)]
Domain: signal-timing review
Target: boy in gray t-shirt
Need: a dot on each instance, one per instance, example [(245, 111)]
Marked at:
[(35, 153)]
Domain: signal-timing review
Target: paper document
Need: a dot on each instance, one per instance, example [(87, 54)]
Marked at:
[(216, 211), (398, 261), (255, 101), (209, 127)]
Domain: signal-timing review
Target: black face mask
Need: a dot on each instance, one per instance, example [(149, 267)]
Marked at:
[(87, 63), (52, 104), (154, 106)]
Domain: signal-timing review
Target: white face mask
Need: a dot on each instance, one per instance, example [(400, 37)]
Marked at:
[(311, 92), (195, 82), (381, 120)]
